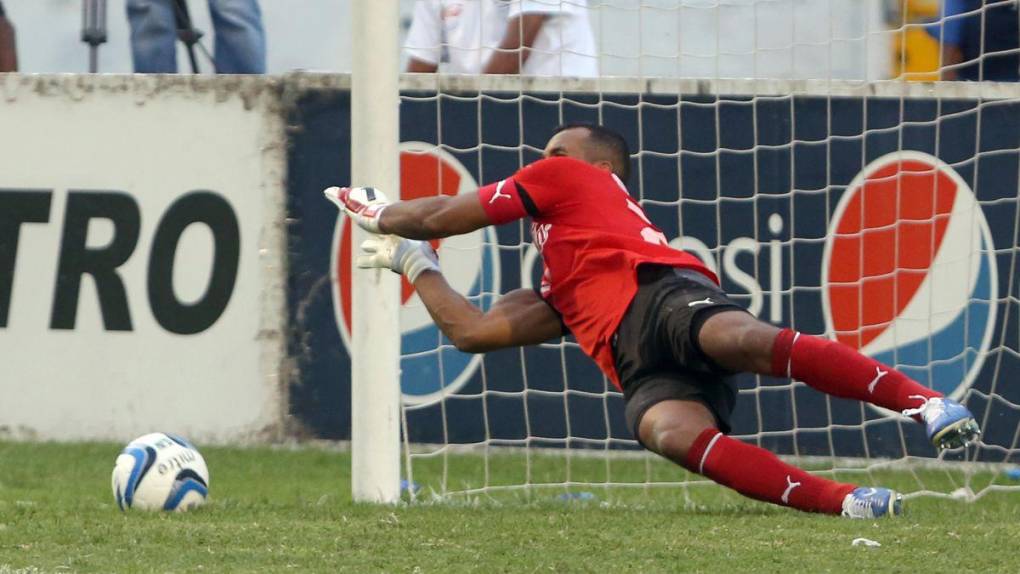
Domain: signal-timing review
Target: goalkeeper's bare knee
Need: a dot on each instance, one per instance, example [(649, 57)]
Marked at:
[(738, 341), (670, 428)]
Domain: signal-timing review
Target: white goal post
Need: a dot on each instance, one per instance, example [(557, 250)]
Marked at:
[(375, 367)]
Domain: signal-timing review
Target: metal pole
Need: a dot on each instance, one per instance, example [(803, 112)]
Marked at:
[(375, 295), (93, 29), (186, 32)]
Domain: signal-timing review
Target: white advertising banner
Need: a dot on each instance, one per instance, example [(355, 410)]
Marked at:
[(141, 257)]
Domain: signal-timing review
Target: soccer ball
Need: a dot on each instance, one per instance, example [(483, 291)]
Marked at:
[(160, 471)]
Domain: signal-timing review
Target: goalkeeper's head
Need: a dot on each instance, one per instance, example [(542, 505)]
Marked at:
[(595, 144)]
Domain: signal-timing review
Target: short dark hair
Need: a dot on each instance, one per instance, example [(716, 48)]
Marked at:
[(612, 142)]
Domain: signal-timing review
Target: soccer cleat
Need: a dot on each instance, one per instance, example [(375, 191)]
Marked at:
[(949, 424), (872, 503)]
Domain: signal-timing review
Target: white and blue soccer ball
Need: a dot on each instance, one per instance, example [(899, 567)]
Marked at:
[(160, 471)]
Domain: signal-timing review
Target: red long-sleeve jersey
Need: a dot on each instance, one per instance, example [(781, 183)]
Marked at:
[(592, 237)]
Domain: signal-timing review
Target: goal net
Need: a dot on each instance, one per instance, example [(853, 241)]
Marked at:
[(769, 140)]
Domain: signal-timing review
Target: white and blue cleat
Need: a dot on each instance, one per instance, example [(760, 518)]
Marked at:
[(866, 502), (949, 424)]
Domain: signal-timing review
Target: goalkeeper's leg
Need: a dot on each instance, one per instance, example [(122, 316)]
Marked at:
[(740, 342), (685, 432), (701, 329)]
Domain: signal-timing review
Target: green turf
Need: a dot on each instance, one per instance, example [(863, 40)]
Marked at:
[(289, 510)]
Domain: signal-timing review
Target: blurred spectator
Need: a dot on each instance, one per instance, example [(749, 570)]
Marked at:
[(530, 37), (980, 40), (915, 53), (240, 41), (8, 49)]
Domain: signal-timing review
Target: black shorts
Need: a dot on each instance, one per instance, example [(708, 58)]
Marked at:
[(656, 345)]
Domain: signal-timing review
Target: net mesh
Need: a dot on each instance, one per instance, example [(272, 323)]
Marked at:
[(805, 189)]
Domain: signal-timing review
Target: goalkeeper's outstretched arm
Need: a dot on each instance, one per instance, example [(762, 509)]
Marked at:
[(517, 319), (434, 217), (423, 218)]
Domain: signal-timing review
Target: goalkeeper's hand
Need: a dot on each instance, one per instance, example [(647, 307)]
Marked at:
[(362, 204), (405, 256)]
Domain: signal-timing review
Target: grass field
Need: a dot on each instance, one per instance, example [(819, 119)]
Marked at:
[(289, 510)]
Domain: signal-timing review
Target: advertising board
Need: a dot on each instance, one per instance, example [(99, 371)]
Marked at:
[(140, 256)]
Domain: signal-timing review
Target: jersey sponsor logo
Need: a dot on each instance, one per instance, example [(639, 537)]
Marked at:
[(540, 234), (908, 273), (430, 367)]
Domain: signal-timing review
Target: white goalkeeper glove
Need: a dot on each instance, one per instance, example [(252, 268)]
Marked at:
[(364, 205), (406, 256)]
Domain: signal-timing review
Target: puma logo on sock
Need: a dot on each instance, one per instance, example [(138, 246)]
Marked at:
[(790, 485), (879, 373)]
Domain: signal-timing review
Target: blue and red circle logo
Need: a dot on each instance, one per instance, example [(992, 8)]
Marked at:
[(430, 367), (909, 274)]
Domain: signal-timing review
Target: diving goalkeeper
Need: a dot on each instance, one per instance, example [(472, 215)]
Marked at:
[(652, 317)]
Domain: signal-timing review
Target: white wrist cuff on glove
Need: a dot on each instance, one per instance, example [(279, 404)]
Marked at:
[(415, 258), (405, 256)]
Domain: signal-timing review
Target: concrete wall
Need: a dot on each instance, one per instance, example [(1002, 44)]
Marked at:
[(142, 222)]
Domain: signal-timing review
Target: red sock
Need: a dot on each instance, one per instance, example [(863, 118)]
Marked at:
[(759, 474), (840, 371)]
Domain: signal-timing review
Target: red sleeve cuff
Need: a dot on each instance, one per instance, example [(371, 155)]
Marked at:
[(502, 202)]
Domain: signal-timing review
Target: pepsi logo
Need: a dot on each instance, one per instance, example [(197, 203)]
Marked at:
[(909, 275), (430, 367)]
